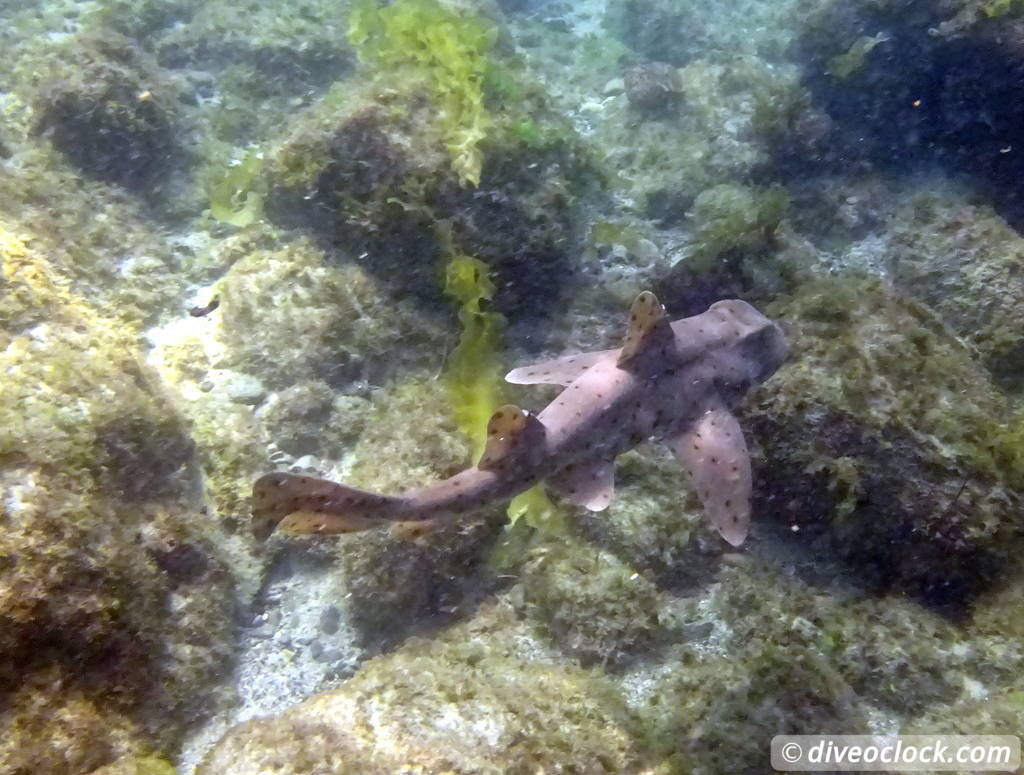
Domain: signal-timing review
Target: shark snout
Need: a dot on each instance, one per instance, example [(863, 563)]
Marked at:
[(774, 349)]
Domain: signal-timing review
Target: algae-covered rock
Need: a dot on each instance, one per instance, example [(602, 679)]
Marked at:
[(734, 219), (591, 605), (309, 418), (680, 31), (964, 261), (658, 30), (265, 51), (111, 112), (880, 442), (733, 117), (788, 656), (481, 698), (377, 165), (907, 83), (138, 765), (653, 88), (290, 314), (115, 606), (991, 698), (656, 522)]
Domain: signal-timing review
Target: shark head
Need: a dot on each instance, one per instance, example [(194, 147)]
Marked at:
[(755, 349)]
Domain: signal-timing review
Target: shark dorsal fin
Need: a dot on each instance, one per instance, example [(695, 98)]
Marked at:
[(511, 433), (648, 327)]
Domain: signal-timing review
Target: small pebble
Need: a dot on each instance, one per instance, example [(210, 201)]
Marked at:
[(330, 619), (244, 389), (305, 463)]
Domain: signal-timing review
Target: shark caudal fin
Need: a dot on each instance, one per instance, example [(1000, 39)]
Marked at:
[(648, 328), (300, 505)]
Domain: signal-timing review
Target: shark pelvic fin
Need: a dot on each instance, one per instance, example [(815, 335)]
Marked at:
[(560, 371), (590, 484), (715, 457), (511, 434), (416, 531), (648, 327), (298, 505)]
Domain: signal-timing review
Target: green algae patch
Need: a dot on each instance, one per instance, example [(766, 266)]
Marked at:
[(537, 511), (449, 49), (481, 698), (473, 371), (844, 65), (235, 198), (996, 8)]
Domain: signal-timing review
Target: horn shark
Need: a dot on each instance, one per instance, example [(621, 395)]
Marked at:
[(676, 381)]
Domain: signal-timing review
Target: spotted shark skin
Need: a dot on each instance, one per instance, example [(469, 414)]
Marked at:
[(673, 381)]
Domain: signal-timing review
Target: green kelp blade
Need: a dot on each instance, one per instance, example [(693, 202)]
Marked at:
[(473, 374)]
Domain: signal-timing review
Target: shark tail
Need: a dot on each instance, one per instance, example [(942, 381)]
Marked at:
[(300, 505)]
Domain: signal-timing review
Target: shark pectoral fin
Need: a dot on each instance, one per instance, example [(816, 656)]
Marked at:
[(648, 327), (299, 504), (560, 371), (714, 455), (511, 434), (590, 484)]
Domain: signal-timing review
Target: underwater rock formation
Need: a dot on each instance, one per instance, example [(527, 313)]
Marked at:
[(481, 698), (310, 418), (111, 112), (882, 445), (658, 30), (888, 466), (372, 166), (964, 261), (653, 88), (115, 606), (731, 122), (782, 655), (593, 607), (921, 82), (681, 31), (288, 311)]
